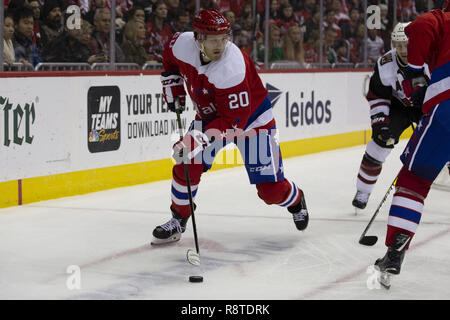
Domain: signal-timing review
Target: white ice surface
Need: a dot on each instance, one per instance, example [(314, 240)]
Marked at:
[(248, 250)]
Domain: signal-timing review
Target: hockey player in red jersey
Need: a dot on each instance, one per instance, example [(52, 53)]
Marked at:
[(429, 148), (391, 113), (231, 106)]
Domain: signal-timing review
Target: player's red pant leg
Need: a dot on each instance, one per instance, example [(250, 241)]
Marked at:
[(180, 197), (284, 193), (407, 205)]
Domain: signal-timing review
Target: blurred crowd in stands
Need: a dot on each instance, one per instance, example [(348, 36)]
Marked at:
[(43, 31)]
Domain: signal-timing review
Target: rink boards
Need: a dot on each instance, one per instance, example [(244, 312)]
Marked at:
[(63, 134)]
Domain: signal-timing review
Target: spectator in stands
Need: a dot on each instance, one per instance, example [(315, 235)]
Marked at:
[(246, 9), (133, 44), (244, 34), (16, 4), (276, 51), (330, 36), (122, 7), (158, 30), (86, 35), (355, 44), (99, 43), (25, 50), (274, 10), (51, 26), (96, 4), (284, 3), (330, 22), (68, 48), (356, 4), (384, 17), (208, 4), (310, 47), (239, 6), (247, 22), (181, 21), (136, 13), (146, 5), (311, 24), (287, 19), (172, 7), (293, 44), (230, 15), (274, 14), (240, 39), (406, 10), (8, 47), (341, 49), (349, 27), (386, 27), (36, 7), (375, 46), (340, 11), (306, 11)]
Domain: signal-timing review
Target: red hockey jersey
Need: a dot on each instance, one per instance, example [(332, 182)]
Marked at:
[(429, 41), (226, 93)]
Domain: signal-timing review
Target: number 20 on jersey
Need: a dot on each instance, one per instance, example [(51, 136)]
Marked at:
[(238, 100)]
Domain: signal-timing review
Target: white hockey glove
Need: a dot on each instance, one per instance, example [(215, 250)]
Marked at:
[(194, 142), (173, 88)]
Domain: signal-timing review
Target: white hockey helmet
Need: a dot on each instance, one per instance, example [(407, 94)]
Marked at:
[(398, 34)]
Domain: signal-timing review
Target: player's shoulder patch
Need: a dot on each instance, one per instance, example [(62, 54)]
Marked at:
[(184, 49), (387, 69), (229, 71), (386, 58)]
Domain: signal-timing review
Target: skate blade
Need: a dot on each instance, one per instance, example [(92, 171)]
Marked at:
[(384, 278), (175, 237), (358, 210)]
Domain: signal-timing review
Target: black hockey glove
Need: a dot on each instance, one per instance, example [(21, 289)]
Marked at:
[(413, 84), (380, 130), (418, 96), (173, 89)]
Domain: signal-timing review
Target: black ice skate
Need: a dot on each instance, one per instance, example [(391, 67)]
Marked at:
[(170, 231), (391, 263), (360, 200), (300, 213)]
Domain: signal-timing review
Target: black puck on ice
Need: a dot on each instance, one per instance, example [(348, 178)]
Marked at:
[(195, 279)]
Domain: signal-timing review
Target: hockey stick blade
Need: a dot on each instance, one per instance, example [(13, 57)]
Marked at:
[(193, 257), (368, 240)]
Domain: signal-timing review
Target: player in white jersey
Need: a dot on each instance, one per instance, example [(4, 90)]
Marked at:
[(391, 113)]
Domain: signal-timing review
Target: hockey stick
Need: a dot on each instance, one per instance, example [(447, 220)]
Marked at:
[(192, 257), (371, 240)]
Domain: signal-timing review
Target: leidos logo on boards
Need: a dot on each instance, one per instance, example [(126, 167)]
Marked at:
[(304, 111), (103, 118)]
